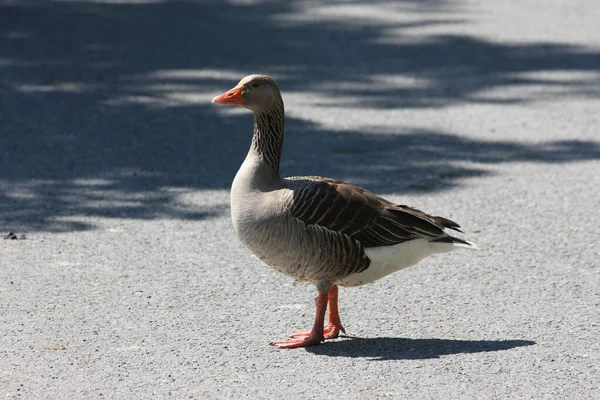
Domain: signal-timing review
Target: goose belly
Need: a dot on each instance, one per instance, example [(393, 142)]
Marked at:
[(389, 259), (306, 253)]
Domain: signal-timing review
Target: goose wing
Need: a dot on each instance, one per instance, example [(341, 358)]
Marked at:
[(360, 214)]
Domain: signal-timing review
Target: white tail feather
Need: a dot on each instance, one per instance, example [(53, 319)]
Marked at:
[(467, 245), (388, 259)]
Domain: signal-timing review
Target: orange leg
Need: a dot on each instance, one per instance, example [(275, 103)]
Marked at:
[(334, 325), (316, 334)]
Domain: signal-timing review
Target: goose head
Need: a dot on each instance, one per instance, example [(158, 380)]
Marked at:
[(254, 92)]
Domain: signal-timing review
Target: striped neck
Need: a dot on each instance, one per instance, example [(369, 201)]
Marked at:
[(268, 135)]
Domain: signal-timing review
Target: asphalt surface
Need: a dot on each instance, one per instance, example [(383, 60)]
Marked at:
[(130, 283)]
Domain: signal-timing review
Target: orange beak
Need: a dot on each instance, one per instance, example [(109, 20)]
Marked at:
[(231, 98)]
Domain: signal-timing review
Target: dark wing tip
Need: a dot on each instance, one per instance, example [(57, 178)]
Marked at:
[(446, 223), (440, 222)]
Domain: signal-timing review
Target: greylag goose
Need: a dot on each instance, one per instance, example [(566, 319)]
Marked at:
[(321, 230)]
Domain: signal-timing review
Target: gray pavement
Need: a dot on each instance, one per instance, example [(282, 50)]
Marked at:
[(130, 282)]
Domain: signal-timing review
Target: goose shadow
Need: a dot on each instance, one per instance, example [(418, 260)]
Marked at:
[(387, 348)]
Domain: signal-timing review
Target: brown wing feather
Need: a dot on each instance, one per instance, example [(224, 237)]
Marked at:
[(351, 210)]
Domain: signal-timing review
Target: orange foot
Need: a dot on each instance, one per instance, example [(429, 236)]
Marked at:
[(295, 342), (331, 332), (318, 333)]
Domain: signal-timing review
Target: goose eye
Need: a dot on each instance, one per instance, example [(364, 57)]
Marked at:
[(255, 85)]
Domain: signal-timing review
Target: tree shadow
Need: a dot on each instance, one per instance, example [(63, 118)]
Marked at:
[(148, 179), (106, 106), (411, 349)]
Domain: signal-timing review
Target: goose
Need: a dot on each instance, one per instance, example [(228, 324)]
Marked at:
[(320, 230)]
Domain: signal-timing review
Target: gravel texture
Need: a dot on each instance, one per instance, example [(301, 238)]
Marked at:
[(123, 278)]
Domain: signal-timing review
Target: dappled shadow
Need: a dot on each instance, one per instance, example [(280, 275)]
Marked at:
[(411, 349), (105, 106), (149, 186), (356, 49)]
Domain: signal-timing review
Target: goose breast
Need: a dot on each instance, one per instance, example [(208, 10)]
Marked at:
[(303, 251)]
